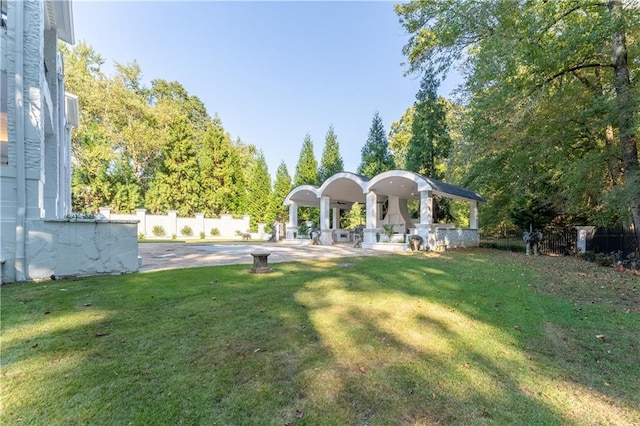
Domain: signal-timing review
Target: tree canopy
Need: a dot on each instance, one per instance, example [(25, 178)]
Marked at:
[(550, 102), (376, 157), (331, 161)]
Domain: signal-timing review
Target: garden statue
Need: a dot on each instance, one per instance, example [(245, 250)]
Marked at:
[(358, 235), (532, 239), (415, 242)]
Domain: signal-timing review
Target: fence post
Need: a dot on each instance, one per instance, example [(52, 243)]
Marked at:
[(584, 232)]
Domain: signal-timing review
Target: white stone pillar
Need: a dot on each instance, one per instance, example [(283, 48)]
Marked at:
[(426, 208), (583, 233), (292, 226), (141, 215), (473, 215), (325, 226), (336, 218), (372, 218), (173, 222), (372, 210), (105, 211), (200, 225)]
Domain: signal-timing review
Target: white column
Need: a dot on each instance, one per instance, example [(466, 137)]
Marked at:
[(141, 215), (372, 210), (336, 218), (293, 215), (426, 208), (292, 226), (200, 225), (325, 226), (324, 213), (473, 215)]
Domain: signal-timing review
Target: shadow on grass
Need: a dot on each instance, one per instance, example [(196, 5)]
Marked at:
[(392, 340)]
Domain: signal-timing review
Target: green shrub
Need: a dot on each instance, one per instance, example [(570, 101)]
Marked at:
[(158, 231), (141, 235), (202, 235), (215, 232), (186, 231), (173, 236)]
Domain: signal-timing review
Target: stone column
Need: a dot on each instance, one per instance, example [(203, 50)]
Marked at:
[(372, 218), (583, 233), (105, 211), (292, 226), (173, 222), (426, 208), (141, 215), (473, 214), (336, 218), (325, 226), (200, 225)]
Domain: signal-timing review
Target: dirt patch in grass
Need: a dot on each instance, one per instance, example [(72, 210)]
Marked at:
[(580, 281)]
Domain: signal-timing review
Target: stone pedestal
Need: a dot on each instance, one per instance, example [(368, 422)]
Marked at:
[(260, 263)]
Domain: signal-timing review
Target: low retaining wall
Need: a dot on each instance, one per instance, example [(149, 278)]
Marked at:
[(80, 248), (454, 238)]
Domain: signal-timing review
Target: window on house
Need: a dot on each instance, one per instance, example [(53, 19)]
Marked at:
[(4, 121), (3, 8)]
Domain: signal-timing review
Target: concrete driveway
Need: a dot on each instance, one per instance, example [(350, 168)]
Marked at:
[(161, 256)]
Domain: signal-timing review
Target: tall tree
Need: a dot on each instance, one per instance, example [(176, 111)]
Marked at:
[(399, 137), (331, 161), (307, 167), (430, 143), (221, 172), (176, 186), (376, 157), (550, 87), (281, 188), (260, 197)]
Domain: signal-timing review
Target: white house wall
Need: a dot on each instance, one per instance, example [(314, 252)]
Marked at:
[(35, 184)]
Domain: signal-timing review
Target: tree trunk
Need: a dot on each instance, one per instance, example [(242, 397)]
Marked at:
[(625, 112)]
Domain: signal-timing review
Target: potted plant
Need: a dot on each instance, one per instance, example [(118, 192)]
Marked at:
[(388, 230)]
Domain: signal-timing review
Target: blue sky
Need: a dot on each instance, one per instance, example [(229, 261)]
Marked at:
[(272, 71)]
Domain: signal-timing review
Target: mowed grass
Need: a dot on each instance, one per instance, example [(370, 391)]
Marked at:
[(469, 337)]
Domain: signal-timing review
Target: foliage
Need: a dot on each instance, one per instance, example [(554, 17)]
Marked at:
[(186, 231), (307, 166), (429, 144), (202, 235), (281, 188), (376, 157), (158, 231), (154, 146), (399, 137), (550, 90), (388, 230), (260, 196), (215, 232), (354, 217), (331, 161)]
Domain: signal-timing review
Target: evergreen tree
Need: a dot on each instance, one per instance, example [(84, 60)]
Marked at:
[(281, 189), (176, 186), (260, 197), (376, 157), (307, 167), (221, 172), (331, 161), (430, 143)]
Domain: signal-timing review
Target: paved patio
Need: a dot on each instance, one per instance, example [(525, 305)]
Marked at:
[(162, 256)]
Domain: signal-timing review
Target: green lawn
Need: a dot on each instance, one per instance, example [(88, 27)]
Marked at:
[(469, 337)]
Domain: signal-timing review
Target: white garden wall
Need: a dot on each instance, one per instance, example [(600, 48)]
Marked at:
[(226, 224)]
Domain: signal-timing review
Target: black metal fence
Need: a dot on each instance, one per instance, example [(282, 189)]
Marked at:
[(563, 241), (607, 241)]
